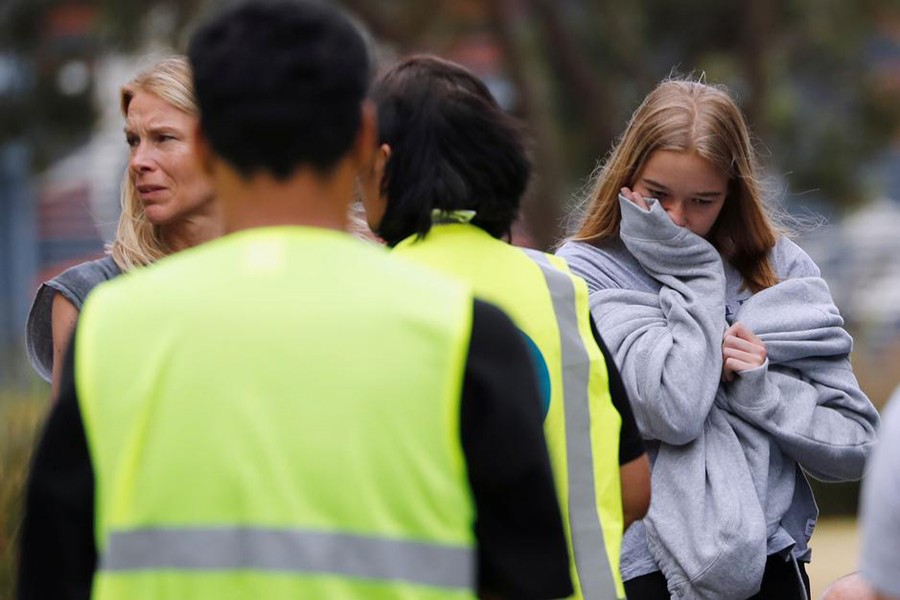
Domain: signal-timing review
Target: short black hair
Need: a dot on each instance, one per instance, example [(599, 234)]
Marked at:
[(452, 148), (279, 84)]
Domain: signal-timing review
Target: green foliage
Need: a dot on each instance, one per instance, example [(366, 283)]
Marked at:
[(42, 37), (21, 415), (38, 109), (127, 26), (802, 70)]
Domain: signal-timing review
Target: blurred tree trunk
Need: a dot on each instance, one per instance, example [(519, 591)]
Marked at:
[(401, 32), (757, 38), (577, 73), (541, 206)]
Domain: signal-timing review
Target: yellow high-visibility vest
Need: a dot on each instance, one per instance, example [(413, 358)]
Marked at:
[(275, 414), (582, 426)]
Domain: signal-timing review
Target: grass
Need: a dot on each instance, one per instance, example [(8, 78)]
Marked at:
[(835, 551), (21, 415)]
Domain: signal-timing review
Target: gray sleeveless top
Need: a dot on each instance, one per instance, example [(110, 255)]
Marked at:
[(74, 284)]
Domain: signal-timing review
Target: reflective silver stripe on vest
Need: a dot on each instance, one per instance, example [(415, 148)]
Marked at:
[(588, 544), (292, 551)]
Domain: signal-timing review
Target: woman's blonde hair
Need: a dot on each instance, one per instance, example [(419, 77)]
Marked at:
[(138, 242), (690, 116)]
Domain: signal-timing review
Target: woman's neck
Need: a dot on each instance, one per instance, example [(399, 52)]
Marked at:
[(192, 231)]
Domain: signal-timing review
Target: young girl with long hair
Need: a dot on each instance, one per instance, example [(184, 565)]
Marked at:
[(731, 349)]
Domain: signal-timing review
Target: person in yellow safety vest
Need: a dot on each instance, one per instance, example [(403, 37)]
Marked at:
[(450, 172), (287, 411)]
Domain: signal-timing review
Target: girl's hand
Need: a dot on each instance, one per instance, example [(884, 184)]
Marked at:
[(741, 351), (635, 198)]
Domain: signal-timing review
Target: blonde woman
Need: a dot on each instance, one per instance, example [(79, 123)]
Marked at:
[(167, 205), (731, 350)]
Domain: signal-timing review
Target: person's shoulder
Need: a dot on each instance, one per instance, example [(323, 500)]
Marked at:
[(104, 267), (156, 280), (572, 249), (790, 260), (556, 273), (406, 268), (602, 266), (75, 282), (547, 261), (611, 251)]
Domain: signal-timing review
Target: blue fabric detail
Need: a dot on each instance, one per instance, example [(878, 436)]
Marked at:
[(543, 373)]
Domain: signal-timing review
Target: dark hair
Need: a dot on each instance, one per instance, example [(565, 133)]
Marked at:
[(279, 84), (452, 148)]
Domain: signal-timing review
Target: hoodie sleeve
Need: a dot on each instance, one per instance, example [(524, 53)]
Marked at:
[(806, 395), (821, 418), (667, 345)]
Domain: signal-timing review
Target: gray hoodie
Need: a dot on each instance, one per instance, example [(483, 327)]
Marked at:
[(727, 490)]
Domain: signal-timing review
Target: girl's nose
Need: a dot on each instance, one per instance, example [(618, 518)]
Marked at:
[(677, 213)]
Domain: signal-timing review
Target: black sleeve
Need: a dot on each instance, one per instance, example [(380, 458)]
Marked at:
[(57, 550), (521, 543), (631, 444)]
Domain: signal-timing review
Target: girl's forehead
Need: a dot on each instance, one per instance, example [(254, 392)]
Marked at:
[(684, 168)]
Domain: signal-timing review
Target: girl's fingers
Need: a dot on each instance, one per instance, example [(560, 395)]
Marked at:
[(743, 348), (746, 357), (744, 345), (742, 331), (634, 198)]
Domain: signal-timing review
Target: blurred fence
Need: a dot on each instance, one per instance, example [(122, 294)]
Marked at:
[(18, 255)]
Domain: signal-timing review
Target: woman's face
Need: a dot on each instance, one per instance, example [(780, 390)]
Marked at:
[(170, 182), (690, 188)]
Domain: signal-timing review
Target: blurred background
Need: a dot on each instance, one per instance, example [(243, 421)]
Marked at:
[(819, 81)]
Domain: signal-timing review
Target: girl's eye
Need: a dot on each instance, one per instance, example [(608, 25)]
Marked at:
[(702, 201), (656, 193)]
